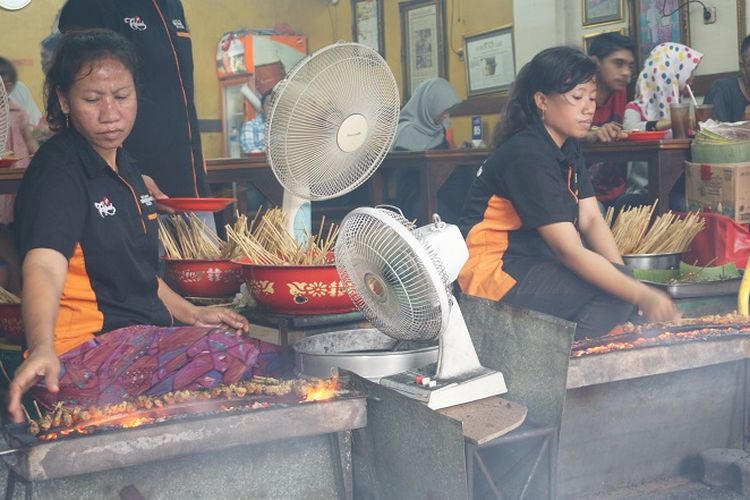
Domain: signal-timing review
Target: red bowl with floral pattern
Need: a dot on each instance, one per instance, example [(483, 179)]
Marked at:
[(313, 289), (205, 278), (11, 323)]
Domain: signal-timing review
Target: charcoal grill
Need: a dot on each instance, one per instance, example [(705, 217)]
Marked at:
[(32, 459)]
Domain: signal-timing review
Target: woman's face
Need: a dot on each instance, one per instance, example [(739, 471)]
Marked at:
[(102, 104), (569, 114)]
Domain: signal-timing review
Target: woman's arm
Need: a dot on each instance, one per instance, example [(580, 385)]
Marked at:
[(185, 312), (44, 272), (634, 121), (29, 138), (595, 230), (564, 241)]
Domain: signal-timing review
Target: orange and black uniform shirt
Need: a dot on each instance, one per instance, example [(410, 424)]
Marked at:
[(105, 224), (526, 183), (165, 139)]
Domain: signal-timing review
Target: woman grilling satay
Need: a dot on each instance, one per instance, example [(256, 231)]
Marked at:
[(100, 323), (532, 207)]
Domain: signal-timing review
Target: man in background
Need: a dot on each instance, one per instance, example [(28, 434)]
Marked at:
[(165, 139), (614, 55), (731, 96)]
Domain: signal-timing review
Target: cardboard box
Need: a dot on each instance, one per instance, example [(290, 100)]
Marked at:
[(719, 187)]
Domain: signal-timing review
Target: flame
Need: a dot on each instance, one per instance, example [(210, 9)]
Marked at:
[(323, 390)]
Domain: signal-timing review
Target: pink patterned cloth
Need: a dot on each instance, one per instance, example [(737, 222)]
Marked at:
[(152, 360)]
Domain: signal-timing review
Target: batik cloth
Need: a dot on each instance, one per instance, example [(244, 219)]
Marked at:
[(151, 360)]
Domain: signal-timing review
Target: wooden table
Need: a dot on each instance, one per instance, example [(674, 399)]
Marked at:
[(666, 162), (433, 167)]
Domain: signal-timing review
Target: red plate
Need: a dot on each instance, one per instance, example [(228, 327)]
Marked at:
[(196, 204), (643, 135), (7, 162)]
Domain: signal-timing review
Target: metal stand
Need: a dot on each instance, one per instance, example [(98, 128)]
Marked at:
[(547, 445), (10, 485)]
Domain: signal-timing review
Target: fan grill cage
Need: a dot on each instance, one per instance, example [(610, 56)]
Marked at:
[(308, 109), (4, 118), (402, 292)]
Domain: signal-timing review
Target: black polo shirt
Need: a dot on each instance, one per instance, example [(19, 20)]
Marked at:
[(165, 139), (526, 183), (104, 222)]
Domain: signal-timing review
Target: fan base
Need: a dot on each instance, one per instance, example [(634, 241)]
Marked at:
[(479, 384)]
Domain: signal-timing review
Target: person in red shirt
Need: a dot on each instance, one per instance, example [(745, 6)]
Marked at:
[(614, 56)]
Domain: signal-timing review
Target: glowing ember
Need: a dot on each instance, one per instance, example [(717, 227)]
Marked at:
[(631, 336), (325, 389), (258, 393)]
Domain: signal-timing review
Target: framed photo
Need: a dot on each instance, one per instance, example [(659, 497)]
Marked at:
[(490, 61), (367, 24), (594, 12), (589, 37), (652, 27), (422, 42)]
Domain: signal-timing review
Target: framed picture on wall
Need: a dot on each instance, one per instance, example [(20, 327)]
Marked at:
[(422, 42), (595, 12), (659, 21), (490, 61), (367, 24), (590, 36)]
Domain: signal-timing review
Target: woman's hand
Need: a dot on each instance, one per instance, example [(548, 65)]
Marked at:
[(215, 316), (608, 132), (657, 305), (41, 363), (156, 193)]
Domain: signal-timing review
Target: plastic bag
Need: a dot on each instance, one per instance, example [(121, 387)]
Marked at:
[(722, 241)]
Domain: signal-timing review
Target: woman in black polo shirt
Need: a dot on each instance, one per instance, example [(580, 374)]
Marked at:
[(100, 323), (535, 234)]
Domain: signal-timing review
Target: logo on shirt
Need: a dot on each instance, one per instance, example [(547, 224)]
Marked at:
[(177, 23), (105, 207), (147, 199), (135, 23)]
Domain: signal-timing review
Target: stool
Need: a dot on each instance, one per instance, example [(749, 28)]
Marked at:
[(493, 423)]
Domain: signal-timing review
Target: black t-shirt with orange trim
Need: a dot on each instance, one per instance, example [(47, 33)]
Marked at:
[(104, 222), (165, 139), (527, 183)]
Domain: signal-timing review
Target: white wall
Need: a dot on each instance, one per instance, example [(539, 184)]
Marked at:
[(539, 24), (719, 41)]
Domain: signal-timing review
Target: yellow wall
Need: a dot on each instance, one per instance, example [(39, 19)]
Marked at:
[(21, 31)]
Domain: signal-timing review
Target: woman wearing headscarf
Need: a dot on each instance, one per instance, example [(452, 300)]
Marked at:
[(666, 73), (664, 78), (422, 126)]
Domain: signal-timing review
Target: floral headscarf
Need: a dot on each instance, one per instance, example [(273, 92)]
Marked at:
[(664, 76)]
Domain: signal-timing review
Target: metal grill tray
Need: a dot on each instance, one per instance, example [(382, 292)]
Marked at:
[(696, 289)]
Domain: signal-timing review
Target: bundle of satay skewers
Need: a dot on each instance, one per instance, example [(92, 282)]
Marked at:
[(7, 297), (186, 237), (265, 240), (634, 233)]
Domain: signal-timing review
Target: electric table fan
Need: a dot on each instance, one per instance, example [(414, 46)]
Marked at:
[(400, 278), (332, 120)]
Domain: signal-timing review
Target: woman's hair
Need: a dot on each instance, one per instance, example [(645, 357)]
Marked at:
[(8, 72), (75, 51), (552, 71)]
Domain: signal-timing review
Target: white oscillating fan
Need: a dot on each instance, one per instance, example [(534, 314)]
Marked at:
[(332, 121), (401, 281), (4, 118)]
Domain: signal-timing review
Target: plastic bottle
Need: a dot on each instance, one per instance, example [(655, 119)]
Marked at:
[(234, 143)]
